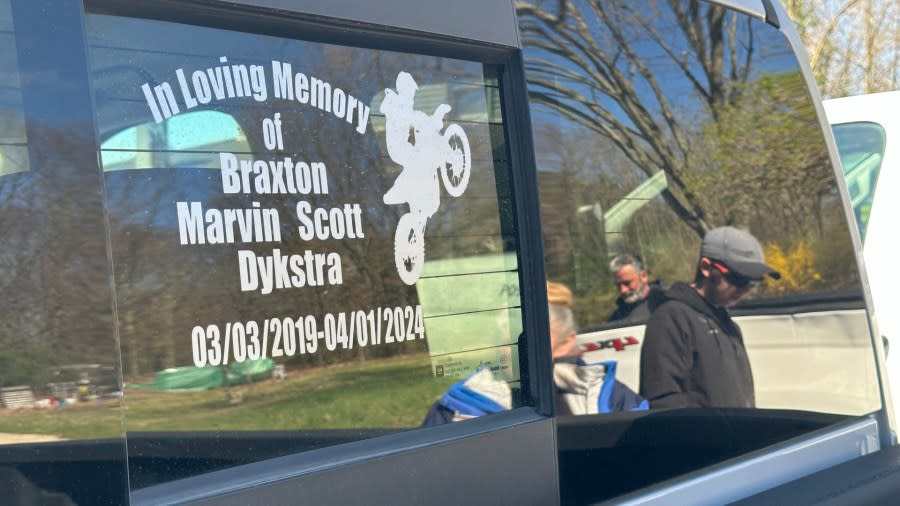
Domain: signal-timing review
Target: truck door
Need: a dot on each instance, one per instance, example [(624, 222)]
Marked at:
[(289, 230)]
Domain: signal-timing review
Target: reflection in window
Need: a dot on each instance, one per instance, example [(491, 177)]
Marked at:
[(57, 347), (861, 147), (202, 134), (644, 143), (257, 260), (656, 121)]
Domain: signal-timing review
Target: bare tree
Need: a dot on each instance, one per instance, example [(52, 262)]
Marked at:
[(853, 45), (710, 49), (712, 99)]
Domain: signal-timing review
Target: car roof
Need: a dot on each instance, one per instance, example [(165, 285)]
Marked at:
[(881, 108)]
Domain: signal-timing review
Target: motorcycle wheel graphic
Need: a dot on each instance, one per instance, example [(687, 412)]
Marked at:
[(457, 165), (409, 248)]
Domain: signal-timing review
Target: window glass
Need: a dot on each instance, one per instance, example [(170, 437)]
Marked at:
[(861, 147), (655, 122), (59, 362), (297, 230), (659, 122), (200, 133), (56, 346)]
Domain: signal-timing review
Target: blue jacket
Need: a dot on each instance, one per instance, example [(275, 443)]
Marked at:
[(588, 388), (476, 395)]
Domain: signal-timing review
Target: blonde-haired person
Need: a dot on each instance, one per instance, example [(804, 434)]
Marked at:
[(563, 328)]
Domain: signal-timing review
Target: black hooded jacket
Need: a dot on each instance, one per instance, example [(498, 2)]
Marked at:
[(693, 355)]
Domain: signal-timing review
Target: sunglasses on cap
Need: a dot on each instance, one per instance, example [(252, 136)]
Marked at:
[(733, 278)]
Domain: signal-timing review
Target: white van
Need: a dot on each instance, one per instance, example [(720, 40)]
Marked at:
[(867, 133)]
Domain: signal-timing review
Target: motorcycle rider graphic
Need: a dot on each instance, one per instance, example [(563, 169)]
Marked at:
[(414, 141)]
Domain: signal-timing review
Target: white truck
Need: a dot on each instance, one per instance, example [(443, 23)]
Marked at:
[(867, 133)]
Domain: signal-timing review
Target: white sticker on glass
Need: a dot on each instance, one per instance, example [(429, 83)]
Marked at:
[(414, 141), (417, 141)]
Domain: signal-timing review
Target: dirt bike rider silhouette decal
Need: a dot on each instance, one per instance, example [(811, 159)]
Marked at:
[(414, 141)]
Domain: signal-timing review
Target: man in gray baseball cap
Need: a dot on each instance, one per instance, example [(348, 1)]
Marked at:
[(693, 353), (739, 250)]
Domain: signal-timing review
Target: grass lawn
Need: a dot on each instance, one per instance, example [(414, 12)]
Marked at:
[(383, 393)]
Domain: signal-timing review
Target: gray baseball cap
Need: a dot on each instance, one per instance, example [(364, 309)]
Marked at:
[(738, 250)]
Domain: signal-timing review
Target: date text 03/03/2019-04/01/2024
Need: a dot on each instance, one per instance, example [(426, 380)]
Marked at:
[(289, 336)]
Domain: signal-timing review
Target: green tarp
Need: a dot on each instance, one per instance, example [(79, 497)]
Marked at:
[(203, 378), (250, 371)]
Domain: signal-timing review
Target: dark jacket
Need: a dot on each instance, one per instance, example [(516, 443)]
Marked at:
[(694, 355), (639, 311)]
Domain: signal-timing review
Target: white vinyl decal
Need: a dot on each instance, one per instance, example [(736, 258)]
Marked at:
[(414, 141), (272, 255)]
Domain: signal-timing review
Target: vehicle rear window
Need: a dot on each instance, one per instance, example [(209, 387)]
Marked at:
[(861, 147), (654, 123), (308, 239), (644, 146)]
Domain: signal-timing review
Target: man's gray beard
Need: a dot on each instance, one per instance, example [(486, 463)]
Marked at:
[(632, 298), (635, 296)]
